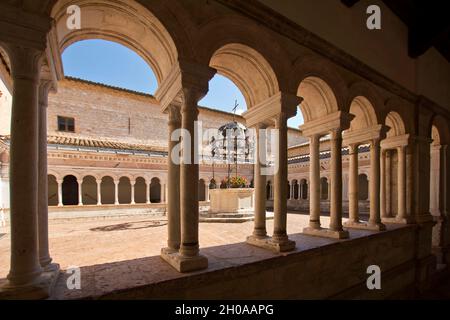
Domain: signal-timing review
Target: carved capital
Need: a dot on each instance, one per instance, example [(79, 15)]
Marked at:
[(25, 62)]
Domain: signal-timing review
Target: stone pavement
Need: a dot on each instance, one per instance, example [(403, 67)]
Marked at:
[(98, 241)]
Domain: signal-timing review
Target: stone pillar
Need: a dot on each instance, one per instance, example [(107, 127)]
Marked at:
[(24, 160), (60, 199), (383, 174), (314, 185), (388, 177), (374, 189), (353, 194), (147, 193), (44, 252), (80, 191), (133, 184), (173, 182), (336, 184), (260, 184), (99, 192), (116, 192), (401, 183), (279, 237)]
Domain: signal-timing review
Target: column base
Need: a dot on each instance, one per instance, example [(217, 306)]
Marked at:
[(364, 226), (326, 233), (269, 244), (40, 289), (394, 220), (184, 264)]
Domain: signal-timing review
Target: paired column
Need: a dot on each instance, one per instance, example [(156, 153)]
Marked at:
[(336, 184), (24, 160), (383, 182), (353, 184), (375, 217), (314, 184), (173, 178), (401, 183), (260, 184), (44, 252), (99, 192)]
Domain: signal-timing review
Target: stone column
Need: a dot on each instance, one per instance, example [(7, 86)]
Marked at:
[(60, 199), (24, 160), (388, 177), (383, 174), (189, 257), (336, 184), (173, 182), (314, 185), (44, 252), (116, 192), (279, 236), (353, 195), (374, 189), (147, 193), (401, 183), (260, 183), (99, 192), (133, 184), (80, 191)]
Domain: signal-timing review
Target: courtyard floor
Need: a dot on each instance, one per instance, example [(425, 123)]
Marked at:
[(92, 241)]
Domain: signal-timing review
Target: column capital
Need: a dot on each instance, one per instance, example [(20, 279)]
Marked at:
[(323, 125), (99, 181), (45, 86), (174, 112), (26, 62), (353, 148)]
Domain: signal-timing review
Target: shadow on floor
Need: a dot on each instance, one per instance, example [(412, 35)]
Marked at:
[(131, 226)]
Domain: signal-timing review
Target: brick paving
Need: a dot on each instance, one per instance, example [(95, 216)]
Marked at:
[(90, 242)]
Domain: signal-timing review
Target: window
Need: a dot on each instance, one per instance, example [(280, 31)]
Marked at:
[(66, 124)]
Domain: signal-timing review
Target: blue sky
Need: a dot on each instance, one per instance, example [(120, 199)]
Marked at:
[(113, 64)]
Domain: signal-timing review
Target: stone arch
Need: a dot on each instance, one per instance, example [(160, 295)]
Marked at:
[(124, 190), (396, 124), (107, 189), (140, 190), (372, 101), (155, 190), (364, 112), (363, 187), (70, 190), (320, 85), (52, 190), (126, 22), (248, 70), (89, 190)]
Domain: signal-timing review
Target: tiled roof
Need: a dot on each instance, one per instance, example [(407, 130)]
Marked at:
[(97, 143)]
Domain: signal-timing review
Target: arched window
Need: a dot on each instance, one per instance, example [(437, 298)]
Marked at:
[(363, 187), (155, 191), (324, 188), (70, 191)]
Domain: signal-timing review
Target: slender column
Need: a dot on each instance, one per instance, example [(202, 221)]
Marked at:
[(60, 199), (25, 266), (375, 217), (44, 252), (280, 201), (133, 184), (80, 191), (189, 176), (388, 183), (314, 185), (401, 183), (99, 192), (260, 184), (173, 182), (383, 184), (147, 192), (336, 181), (116, 192), (353, 184)]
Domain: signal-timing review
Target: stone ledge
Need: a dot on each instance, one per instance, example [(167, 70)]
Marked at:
[(184, 264), (268, 244), (326, 233), (365, 226)]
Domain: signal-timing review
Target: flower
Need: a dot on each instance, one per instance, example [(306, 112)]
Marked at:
[(235, 182)]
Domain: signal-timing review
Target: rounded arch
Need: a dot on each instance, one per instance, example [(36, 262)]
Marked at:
[(320, 85), (70, 190), (364, 112), (126, 22), (89, 190), (140, 190), (107, 190), (441, 130), (372, 100), (396, 124), (124, 190), (155, 190)]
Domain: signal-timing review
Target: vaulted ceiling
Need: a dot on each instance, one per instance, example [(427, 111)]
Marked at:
[(427, 21)]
